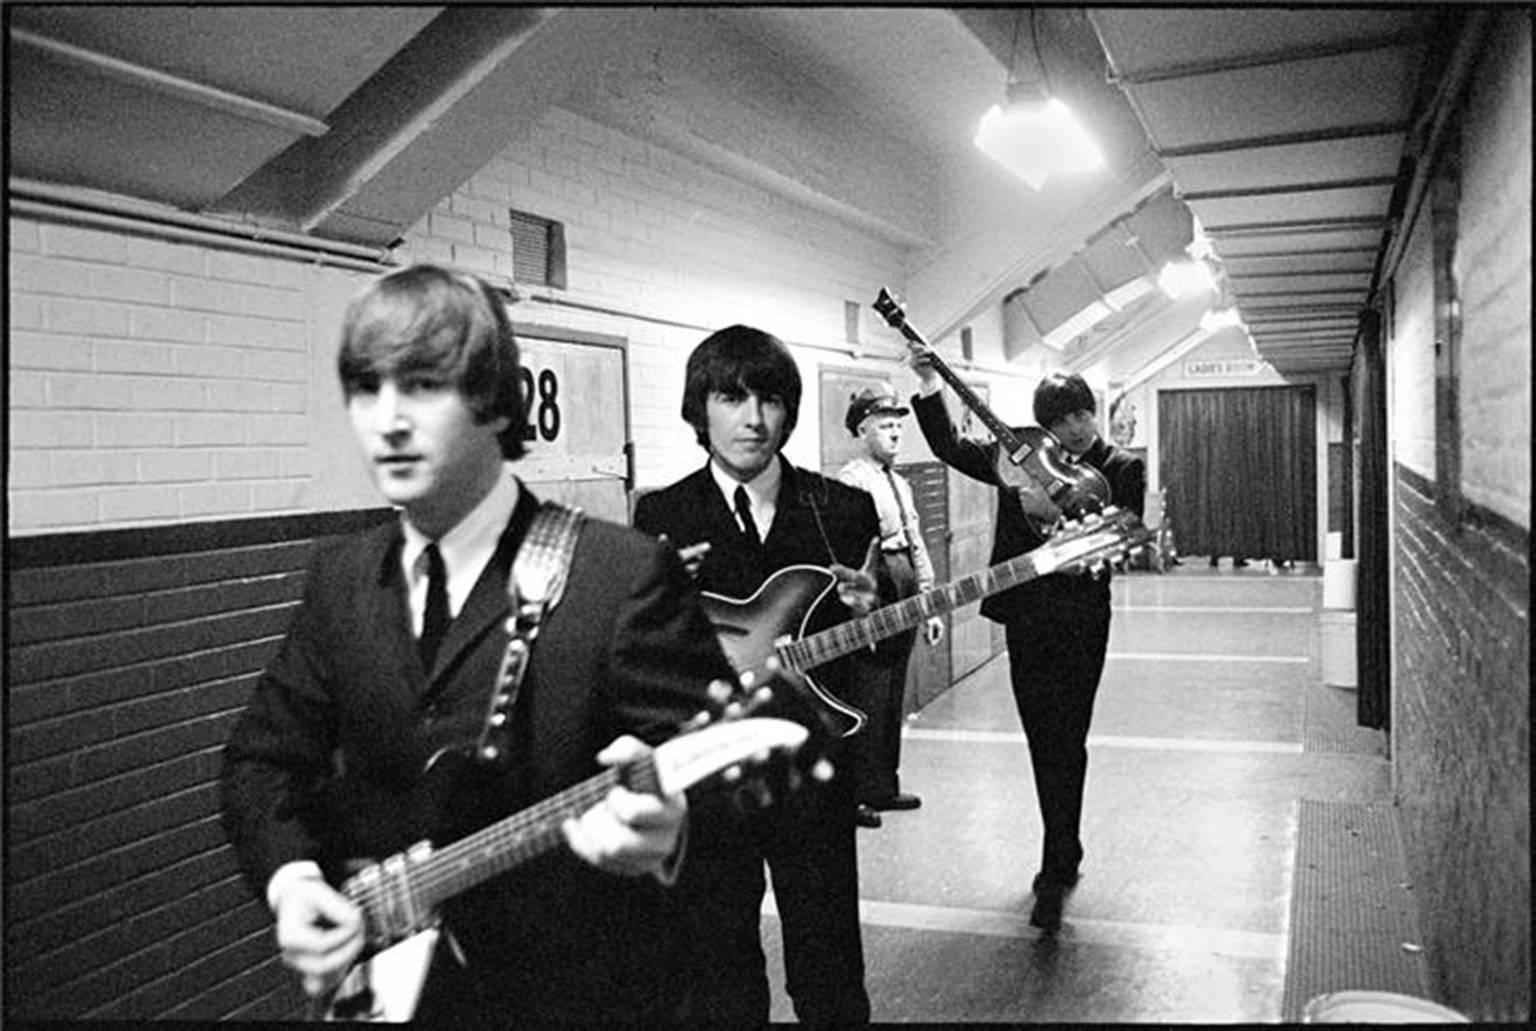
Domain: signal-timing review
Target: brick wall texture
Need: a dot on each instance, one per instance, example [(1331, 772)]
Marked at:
[(123, 675), (1461, 633)]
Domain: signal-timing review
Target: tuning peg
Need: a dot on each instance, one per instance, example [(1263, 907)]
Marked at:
[(731, 774), (762, 697), (822, 771), (720, 691)]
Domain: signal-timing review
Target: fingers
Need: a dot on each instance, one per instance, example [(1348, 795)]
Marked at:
[(871, 556), (692, 556), (319, 933), (856, 587), (629, 833)]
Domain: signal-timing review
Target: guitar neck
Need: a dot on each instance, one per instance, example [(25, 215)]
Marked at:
[(496, 849), (1001, 430), (848, 637)]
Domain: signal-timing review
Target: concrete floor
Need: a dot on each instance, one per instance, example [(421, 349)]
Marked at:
[(1196, 772)]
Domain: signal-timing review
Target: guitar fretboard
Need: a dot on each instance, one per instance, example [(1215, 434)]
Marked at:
[(849, 637), (396, 902), (891, 311)]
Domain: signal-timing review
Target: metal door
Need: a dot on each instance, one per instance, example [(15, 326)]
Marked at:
[(577, 434)]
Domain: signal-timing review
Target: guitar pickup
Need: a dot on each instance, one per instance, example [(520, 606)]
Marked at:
[(1025, 450)]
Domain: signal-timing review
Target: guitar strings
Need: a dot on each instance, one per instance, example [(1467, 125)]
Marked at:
[(844, 638), (499, 847)]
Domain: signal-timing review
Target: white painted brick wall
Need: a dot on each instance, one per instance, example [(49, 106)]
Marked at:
[(653, 234), (1411, 362), (1494, 278), (138, 368)]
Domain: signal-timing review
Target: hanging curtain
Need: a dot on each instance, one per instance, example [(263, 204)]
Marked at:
[(1238, 470), (1373, 613)]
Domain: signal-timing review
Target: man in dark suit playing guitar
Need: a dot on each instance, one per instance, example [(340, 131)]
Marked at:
[(746, 514), (1057, 626), (392, 657)]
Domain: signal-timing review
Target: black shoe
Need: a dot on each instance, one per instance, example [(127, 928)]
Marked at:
[(899, 801), (864, 816), (1050, 898)]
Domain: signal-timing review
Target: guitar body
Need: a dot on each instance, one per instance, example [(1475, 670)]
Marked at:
[(385, 987), (1075, 489), (751, 631), (401, 895)]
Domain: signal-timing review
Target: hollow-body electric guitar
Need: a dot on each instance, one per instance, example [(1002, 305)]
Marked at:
[(1031, 457), (764, 636), (400, 895)]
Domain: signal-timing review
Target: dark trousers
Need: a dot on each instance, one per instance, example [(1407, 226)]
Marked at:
[(878, 688), (807, 843), (1054, 665)]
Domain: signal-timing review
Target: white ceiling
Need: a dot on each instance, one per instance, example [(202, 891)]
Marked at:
[(1283, 130)]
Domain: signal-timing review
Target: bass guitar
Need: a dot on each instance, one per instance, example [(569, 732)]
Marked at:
[(764, 636), (1031, 457), (400, 895)]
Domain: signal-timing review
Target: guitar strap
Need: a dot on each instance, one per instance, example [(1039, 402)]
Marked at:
[(534, 586)]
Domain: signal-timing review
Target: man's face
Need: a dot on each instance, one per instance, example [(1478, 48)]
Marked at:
[(427, 453), (880, 434), (1076, 430), (746, 430)]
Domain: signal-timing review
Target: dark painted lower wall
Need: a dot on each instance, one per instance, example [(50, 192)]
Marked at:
[(128, 654), (1461, 747)]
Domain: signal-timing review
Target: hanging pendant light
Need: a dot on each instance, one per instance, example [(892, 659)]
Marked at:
[(1033, 133)]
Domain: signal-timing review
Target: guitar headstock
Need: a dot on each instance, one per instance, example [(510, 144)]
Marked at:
[(889, 308), (759, 758), (1092, 542)]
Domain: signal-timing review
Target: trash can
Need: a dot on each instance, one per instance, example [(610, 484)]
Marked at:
[(1377, 1008), (1338, 633), (1339, 583), (1338, 623)]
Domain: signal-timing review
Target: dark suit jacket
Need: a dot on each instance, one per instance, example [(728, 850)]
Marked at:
[(326, 763), (1013, 534), (819, 521)]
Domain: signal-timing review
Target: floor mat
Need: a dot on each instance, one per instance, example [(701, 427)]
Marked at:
[(1329, 724), (1353, 921)]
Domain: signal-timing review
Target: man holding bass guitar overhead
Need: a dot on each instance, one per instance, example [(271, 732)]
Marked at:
[(747, 514), (1057, 626)]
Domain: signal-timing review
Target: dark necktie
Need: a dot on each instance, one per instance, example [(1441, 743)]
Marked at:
[(434, 622), (744, 510)]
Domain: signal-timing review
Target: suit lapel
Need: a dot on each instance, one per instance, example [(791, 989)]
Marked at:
[(487, 604), (389, 613)]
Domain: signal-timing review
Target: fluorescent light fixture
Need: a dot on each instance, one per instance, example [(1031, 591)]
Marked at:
[(1214, 320), (1076, 326), (1036, 136), (1186, 278), (1121, 296)]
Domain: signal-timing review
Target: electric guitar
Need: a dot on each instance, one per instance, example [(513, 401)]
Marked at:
[(1031, 457), (400, 895), (764, 636)]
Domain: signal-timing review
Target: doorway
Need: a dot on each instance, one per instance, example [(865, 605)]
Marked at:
[(1238, 469)]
